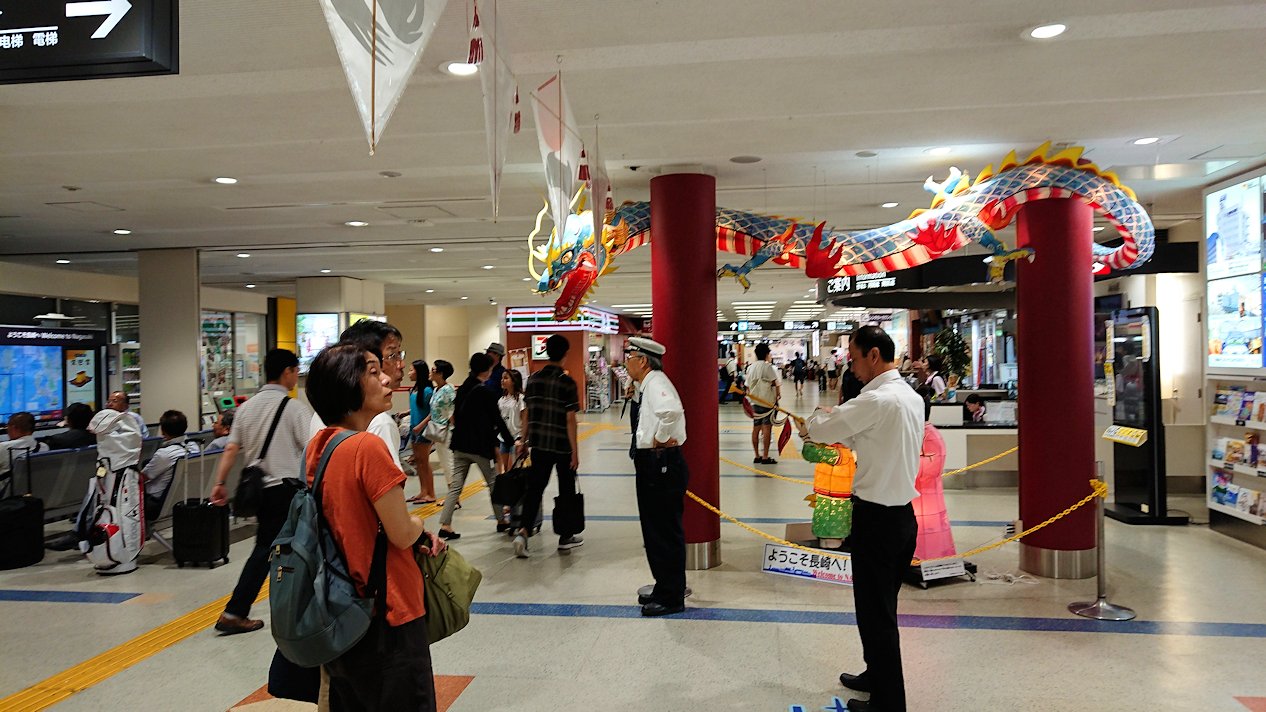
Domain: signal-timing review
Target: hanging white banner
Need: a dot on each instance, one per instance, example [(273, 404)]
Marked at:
[(560, 146), (502, 116), (600, 197), (395, 32)]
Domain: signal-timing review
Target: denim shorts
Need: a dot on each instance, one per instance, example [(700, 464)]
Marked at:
[(505, 449)]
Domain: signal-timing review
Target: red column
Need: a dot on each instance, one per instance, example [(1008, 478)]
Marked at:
[(1055, 342), (684, 298)]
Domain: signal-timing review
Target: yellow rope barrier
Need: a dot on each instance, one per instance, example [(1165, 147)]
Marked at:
[(982, 463), (741, 466)]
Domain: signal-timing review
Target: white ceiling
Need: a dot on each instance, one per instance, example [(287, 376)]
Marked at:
[(805, 85)]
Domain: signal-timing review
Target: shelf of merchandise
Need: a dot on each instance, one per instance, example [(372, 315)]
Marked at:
[(1228, 519)]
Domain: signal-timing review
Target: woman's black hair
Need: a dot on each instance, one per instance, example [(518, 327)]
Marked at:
[(424, 375), (334, 381), (78, 415), (516, 381), (927, 394), (444, 367)]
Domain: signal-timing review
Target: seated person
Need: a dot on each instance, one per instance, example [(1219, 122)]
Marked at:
[(21, 442), (221, 428), (161, 468), (976, 406), (78, 415)]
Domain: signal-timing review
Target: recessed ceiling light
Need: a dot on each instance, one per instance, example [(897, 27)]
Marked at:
[(250, 286), (889, 204), (465, 298), (122, 232), (243, 255), (1099, 229), (325, 271), (63, 262), (866, 154), (430, 291), (1046, 32), (1146, 141), (356, 223), (490, 266), (389, 174), (527, 279), (745, 159), (940, 151), (460, 69), (225, 180), (437, 249)]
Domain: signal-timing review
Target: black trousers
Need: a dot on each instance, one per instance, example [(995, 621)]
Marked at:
[(274, 507), (538, 477), (883, 541), (389, 669), (661, 486)]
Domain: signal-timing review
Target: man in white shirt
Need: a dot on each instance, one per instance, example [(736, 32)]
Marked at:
[(21, 442), (661, 477), (160, 471), (884, 426), (385, 341), (122, 402), (763, 382)]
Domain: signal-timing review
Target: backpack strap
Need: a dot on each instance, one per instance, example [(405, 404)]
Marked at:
[(272, 429)]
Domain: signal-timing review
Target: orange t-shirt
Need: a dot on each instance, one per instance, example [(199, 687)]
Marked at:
[(360, 472)]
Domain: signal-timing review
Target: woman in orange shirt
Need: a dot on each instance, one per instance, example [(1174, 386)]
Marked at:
[(390, 668)]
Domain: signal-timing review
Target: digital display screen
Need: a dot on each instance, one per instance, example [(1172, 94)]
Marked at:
[(1233, 249), (31, 380), (314, 332)]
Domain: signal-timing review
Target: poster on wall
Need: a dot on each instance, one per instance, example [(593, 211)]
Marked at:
[(1233, 230), (1235, 322), (538, 347), (314, 332), (80, 373)]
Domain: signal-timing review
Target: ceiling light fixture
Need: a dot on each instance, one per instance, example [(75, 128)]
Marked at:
[(250, 286), (940, 151), (325, 271), (225, 180), (460, 69), (889, 204), (745, 159), (866, 154), (430, 291), (490, 266), (1099, 229), (1046, 32), (122, 232), (356, 223), (527, 279), (1146, 141), (437, 249), (465, 298), (243, 255), (63, 262)]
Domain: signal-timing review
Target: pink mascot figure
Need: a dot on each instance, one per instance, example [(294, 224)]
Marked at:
[(935, 539)]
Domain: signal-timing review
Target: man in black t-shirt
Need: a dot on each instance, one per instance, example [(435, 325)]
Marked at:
[(798, 372)]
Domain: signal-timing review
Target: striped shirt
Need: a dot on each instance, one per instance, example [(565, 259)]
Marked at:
[(250, 428)]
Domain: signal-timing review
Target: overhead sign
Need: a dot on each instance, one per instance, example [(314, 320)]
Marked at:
[(745, 326), (87, 39), (47, 336), (875, 282)]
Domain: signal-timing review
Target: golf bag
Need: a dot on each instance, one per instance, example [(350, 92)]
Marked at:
[(111, 523)]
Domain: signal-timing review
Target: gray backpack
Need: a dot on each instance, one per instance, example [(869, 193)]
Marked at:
[(317, 614)]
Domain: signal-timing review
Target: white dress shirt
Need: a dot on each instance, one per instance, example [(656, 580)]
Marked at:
[(884, 426), (12, 450), (660, 417)]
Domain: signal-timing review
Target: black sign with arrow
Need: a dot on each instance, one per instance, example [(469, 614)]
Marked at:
[(87, 39)]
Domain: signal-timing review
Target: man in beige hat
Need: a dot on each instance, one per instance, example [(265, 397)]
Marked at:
[(661, 477)]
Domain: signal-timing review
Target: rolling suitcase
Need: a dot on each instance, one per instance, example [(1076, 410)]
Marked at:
[(21, 526), (200, 533)]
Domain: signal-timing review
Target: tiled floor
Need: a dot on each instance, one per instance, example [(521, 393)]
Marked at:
[(752, 641)]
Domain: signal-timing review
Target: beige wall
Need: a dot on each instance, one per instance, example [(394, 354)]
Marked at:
[(66, 284), (485, 327), (410, 319), (171, 320)]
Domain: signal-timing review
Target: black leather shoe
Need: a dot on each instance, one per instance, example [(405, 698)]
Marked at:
[(861, 682), (856, 705), (643, 600), (655, 608), (446, 534)]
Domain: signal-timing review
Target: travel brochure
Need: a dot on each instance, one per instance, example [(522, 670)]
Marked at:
[(1233, 244), (1228, 494)]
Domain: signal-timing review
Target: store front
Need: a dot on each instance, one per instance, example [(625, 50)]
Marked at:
[(594, 360)]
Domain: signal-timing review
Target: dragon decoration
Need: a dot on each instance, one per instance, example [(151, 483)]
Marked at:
[(963, 211)]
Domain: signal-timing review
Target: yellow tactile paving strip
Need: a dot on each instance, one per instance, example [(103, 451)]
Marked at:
[(48, 692)]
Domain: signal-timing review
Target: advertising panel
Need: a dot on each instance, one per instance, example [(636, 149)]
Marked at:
[(314, 332), (80, 374), (1235, 322)]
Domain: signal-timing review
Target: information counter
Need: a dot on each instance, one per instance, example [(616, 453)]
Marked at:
[(968, 443)]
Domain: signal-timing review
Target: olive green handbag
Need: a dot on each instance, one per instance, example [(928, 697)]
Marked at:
[(449, 582)]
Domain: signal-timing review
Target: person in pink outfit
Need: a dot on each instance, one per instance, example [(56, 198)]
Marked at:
[(935, 538)]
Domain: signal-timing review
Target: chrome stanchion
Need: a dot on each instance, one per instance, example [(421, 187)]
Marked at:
[(1101, 609)]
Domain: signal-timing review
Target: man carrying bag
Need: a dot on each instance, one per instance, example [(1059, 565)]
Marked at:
[(271, 432)]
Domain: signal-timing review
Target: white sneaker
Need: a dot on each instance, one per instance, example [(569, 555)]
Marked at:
[(521, 546), (570, 542)]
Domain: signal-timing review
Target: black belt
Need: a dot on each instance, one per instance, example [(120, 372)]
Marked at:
[(659, 449)]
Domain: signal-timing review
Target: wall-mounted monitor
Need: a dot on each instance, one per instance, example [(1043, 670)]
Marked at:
[(1233, 213), (314, 332)]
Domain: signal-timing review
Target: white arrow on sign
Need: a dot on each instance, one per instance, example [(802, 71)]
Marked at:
[(115, 9)]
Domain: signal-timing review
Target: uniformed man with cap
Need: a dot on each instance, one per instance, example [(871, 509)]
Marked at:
[(661, 477)]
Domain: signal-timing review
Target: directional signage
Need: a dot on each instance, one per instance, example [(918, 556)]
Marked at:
[(87, 39), (745, 326), (874, 282)]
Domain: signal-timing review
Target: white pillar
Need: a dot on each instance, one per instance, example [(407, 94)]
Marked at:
[(171, 340)]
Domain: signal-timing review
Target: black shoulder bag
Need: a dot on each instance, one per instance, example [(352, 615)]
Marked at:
[(250, 488)]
